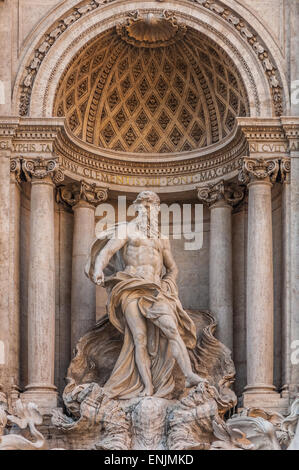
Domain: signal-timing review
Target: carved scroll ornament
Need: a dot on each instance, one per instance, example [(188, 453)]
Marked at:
[(258, 169), (76, 192), (41, 168), (221, 191)]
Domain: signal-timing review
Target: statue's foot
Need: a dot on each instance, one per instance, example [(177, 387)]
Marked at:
[(194, 379), (147, 392)]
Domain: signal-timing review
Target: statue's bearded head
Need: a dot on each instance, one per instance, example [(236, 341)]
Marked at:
[(147, 205)]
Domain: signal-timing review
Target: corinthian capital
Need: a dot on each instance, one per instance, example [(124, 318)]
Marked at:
[(41, 168), (258, 169), (226, 193), (75, 193)]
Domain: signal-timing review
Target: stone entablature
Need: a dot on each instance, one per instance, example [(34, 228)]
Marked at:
[(167, 171), (269, 136), (267, 139)]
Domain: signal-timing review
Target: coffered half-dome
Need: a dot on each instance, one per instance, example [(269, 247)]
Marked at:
[(170, 97)]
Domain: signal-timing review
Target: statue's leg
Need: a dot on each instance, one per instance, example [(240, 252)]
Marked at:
[(137, 325), (178, 348)]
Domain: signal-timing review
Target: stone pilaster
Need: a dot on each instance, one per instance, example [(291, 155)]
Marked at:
[(14, 277), (259, 174), (290, 173), (220, 198), (285, 166), (83, 198), (7, 375), (42, 173)]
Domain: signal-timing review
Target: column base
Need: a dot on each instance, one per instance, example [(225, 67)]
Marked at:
[(43, 395), (260, 388), (270, 400)]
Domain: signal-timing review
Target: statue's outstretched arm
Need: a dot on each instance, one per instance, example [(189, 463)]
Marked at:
[(104, 256), (169, 263)]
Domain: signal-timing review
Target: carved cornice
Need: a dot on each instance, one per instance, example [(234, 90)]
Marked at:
[(258, 169), (285, 169), (221, 193), (266, 137), (41, 168), (246, 32), (261, 129), (81, 161), (291, 129), (133, 165), (8, 127), (46, 139), (38, 131), (76, 193)]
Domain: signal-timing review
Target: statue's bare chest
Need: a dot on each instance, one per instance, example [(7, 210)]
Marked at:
[(143, 250)]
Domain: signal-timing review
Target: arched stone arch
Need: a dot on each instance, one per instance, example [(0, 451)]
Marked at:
[(232, 26)]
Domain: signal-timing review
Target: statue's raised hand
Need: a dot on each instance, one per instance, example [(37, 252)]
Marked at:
[(99, 278)]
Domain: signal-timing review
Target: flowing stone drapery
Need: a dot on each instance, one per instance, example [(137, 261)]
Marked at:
[(259, 174), (83, 198), (43, 173), (221, 197)]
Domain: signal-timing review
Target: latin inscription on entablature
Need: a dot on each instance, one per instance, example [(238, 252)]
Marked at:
[(276, 148), (146, 181), (4, 145), (27, 148), (32, 147)]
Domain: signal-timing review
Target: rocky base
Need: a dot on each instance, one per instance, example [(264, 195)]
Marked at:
[(194, 422), (152, 423)]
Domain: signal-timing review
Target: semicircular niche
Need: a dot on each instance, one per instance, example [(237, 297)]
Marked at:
[(179, 96)]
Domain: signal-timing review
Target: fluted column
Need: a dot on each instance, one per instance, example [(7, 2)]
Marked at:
[(83, 198), (41, 287), (220, 198), (259, 174)]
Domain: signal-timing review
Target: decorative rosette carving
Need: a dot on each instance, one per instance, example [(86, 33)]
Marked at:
[(221, 191), (258, 169)]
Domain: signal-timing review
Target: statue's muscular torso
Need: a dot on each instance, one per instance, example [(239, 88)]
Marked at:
[(143, 256)]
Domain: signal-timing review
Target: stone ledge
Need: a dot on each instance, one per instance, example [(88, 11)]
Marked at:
[(268, 401)]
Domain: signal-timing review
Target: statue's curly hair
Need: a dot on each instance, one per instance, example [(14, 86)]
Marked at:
[(148, 196)]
